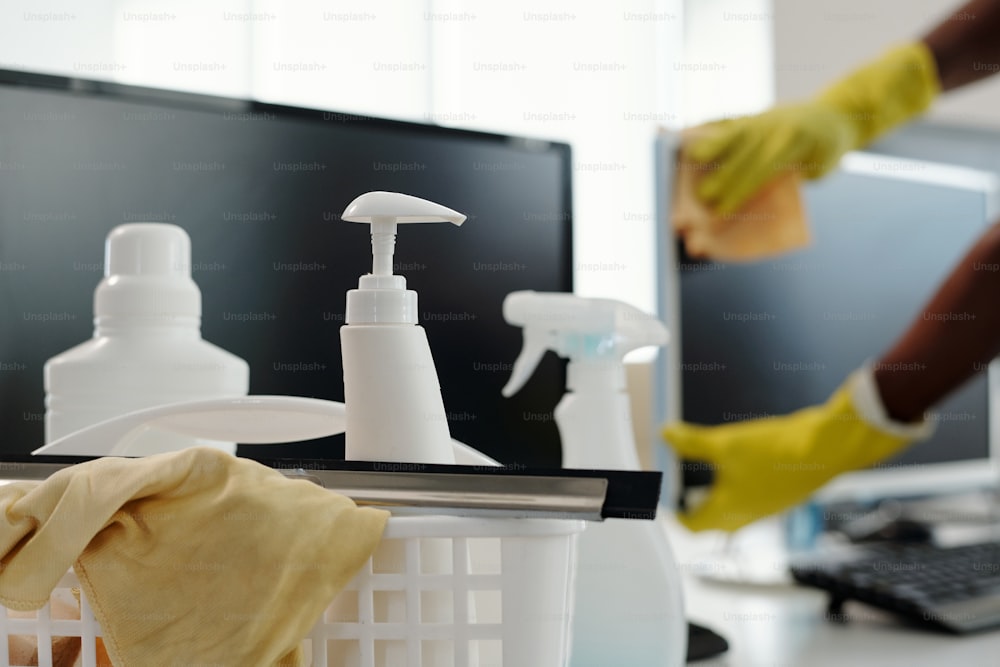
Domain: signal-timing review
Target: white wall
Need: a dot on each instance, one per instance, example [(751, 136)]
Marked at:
[(727, 69), (184, 44), (817, 41), (586, 73)]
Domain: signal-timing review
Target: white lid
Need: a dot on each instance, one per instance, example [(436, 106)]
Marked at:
[(381, 297), (147, 273)]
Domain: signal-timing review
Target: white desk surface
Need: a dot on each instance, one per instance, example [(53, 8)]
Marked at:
[(787, 625)]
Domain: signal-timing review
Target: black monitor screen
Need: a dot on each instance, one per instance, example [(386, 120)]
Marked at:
[(764, 339), (259, 188)]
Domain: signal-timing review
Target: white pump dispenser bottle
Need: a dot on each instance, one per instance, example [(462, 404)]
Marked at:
[(392, 398), (394, 407), (629, 607)]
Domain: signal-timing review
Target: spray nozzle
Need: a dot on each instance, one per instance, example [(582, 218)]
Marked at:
[(594, 334), (382, 297)]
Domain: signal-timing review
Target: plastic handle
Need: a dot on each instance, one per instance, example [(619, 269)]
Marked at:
[(524, 366), (251, 420), (245, 419), (517, 310)]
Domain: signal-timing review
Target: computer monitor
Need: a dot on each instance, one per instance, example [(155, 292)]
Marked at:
[(259, 188), (767, 338)]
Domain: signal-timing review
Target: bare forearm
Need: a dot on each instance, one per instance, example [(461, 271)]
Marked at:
[(966, 45), (955, 336)]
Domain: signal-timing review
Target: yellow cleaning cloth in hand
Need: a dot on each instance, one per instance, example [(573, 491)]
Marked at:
[(770, 223), (193, 556)]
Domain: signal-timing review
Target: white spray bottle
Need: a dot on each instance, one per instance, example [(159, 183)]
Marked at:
[(629, 607)]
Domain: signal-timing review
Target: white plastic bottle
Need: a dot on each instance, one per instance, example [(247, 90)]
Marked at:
[(394, 407), (628, 607), (147, 348)]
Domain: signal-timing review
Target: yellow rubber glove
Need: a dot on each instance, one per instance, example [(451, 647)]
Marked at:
[(768, 465), (810, 137)]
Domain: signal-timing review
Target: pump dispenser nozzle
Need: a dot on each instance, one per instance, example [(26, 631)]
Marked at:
[(382, 297)]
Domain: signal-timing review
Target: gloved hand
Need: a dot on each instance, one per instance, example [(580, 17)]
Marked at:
[(811, 137), (767, 465)]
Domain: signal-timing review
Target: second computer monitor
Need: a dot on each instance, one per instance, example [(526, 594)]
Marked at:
[(767, 338)]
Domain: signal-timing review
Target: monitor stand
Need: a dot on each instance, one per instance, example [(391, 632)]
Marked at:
[(759, 554)]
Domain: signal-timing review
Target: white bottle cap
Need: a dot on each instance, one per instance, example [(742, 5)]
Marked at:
[(147, 273), (381, 297)]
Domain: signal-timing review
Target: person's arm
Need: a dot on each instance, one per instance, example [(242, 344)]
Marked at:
[(810, 137), (952, 339), (958, 333), (764, 466), (966, 45)]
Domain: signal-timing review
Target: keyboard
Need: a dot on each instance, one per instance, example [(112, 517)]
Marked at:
[(952, 588)]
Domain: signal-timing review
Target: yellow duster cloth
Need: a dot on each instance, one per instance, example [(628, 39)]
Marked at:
[(193, 556), (770, 223)]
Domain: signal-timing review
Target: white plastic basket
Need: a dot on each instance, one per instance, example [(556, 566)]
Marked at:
[(438, 592)]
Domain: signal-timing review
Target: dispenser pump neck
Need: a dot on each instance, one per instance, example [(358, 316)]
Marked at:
[(382, 297), (383, 245)]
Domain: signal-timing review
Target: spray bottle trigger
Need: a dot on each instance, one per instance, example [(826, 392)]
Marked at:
[(524, 366)]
